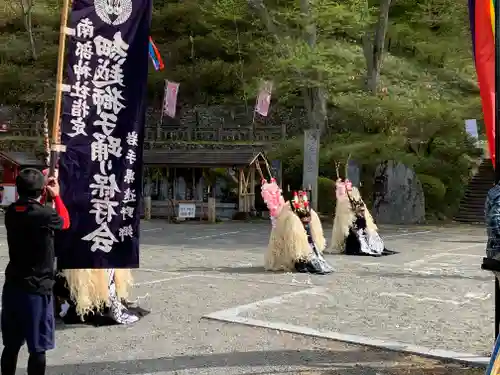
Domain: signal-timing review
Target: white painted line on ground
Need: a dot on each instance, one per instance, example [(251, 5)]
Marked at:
[(155, 270), (294, 282), (161, 280), (470, 297), (151, 229), (235, 311), (232, 316), (214, 235), (406, 234), (434, 256)]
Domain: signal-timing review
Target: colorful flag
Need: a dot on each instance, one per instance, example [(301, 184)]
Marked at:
[(102, 124), (264, 98), (170, 98), (482, 16), (155, 56)]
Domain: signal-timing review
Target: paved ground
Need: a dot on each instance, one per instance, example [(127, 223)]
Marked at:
[(432, 297)]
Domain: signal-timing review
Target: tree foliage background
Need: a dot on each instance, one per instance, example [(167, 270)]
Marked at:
[(221, 49)]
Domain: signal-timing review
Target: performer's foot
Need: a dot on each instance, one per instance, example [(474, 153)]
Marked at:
[(120, 314), (127, 318), (64, 309)]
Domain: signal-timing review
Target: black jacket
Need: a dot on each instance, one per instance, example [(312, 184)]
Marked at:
[(30, 235)]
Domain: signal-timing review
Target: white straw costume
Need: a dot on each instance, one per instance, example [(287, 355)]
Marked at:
[(297, 241), (354, 231)]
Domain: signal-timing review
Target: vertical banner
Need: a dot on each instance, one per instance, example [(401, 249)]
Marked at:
[(311, 164), (103, 129), (170, 98), (264, 98), (481, 15)]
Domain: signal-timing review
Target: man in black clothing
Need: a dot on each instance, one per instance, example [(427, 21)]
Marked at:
[(27, 301)]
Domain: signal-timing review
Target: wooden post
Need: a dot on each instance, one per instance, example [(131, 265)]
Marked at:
[(211, 216), (174, 187), (56, 126), (241, 199), (252, 187), (147, 208)]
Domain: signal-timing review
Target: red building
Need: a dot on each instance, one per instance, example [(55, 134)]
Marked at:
[(13, 162)]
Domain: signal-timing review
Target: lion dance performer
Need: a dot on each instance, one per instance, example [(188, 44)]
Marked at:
[(100, 171), (297, 239), (354, 231)]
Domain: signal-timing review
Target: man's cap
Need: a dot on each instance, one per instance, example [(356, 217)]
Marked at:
[(30, 183)]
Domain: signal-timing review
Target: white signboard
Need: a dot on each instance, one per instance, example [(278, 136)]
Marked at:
[(187, 211), (9, 195), (471, 128)]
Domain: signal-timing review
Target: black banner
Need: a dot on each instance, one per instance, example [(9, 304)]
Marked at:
[(103, 130)]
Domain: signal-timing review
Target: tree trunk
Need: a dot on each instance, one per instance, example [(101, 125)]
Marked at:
[(315, 105), (373, 47), (27, 8), (314, 97)]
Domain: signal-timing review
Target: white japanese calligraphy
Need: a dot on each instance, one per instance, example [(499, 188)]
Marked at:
[(127, 212), (82, 70), (125, 232), (79, 108), (80, 90), (107, 122), (106, 75), (84, 51), (103, 209), (129, 176), (104, 186), (85, 29), (115, 49), (129, 196), (78, 127), (131, 157), (102, 237), (108, 99), (103, 164), (100, 151), (132, 139)]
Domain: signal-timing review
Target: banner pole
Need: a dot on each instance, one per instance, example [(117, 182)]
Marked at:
[(497, 142), (56, 124)]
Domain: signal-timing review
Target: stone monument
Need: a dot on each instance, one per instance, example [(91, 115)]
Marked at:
[(354, 173), (398, 195)]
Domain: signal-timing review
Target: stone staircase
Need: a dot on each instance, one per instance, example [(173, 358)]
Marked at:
[(472, 205)]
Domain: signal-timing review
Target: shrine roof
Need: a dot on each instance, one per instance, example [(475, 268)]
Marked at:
[(203, 158), (22, 159)]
